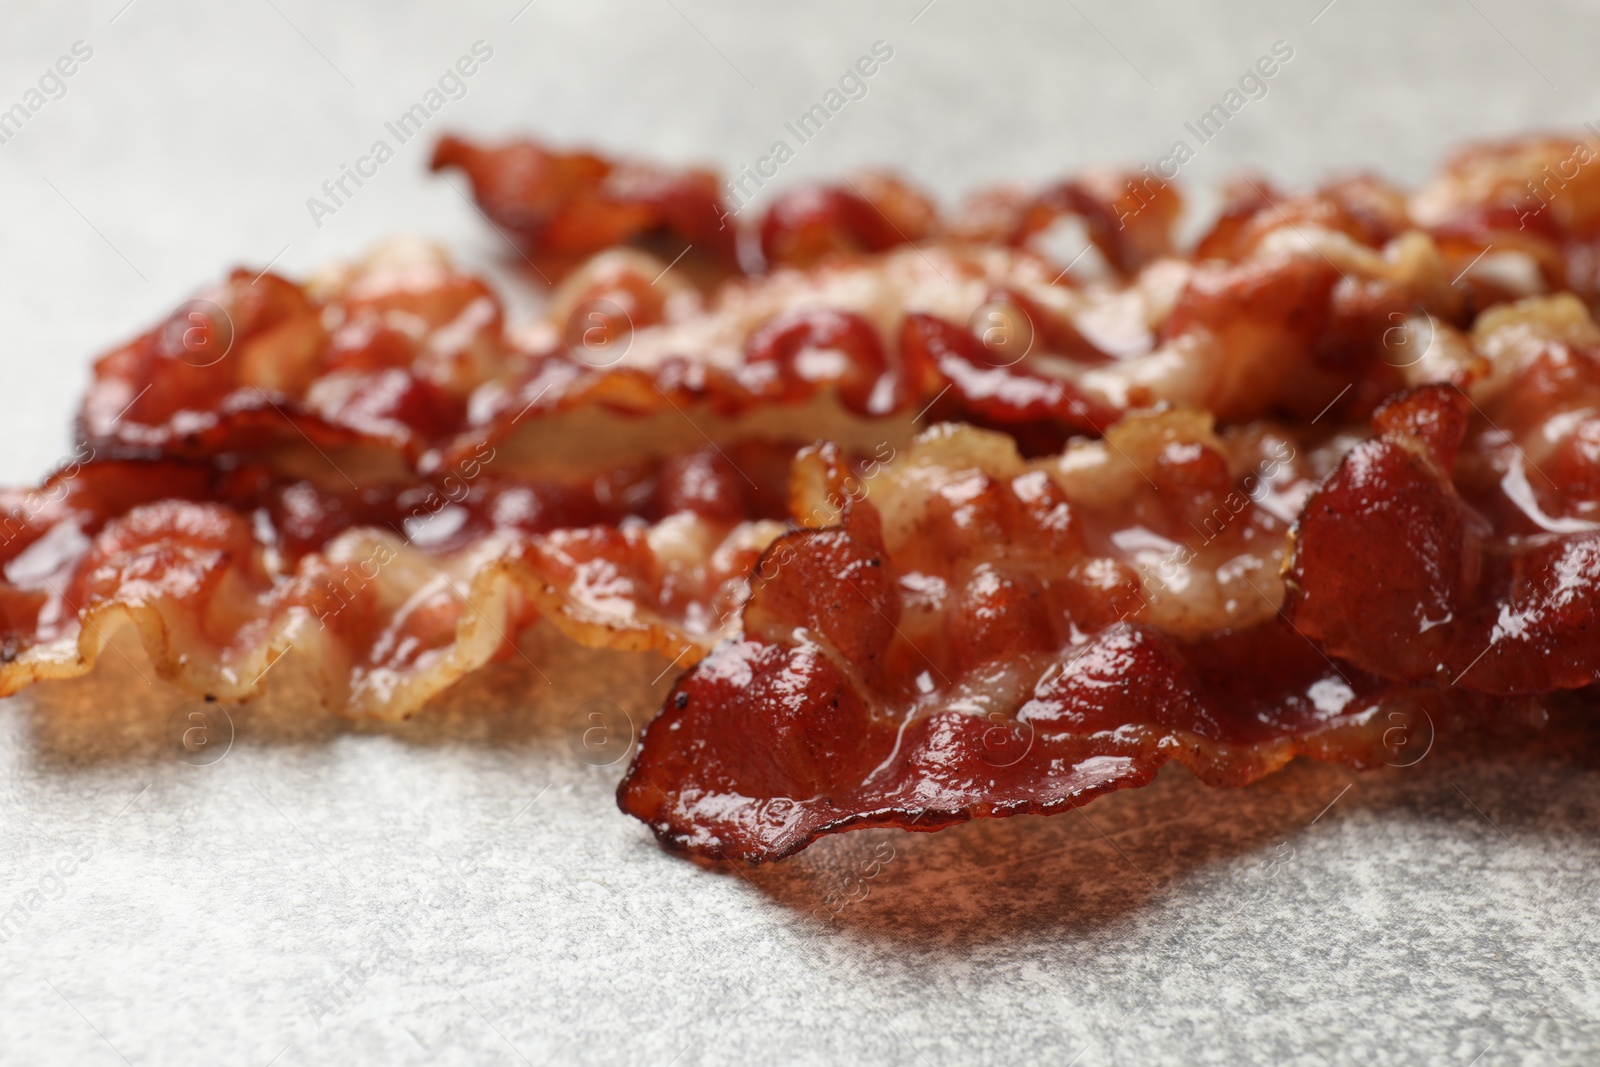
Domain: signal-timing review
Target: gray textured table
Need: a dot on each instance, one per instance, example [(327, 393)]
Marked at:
[(461, 889)]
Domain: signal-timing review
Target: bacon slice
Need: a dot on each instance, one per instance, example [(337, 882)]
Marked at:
[(385, 595), (1532, 199), (1297, 311), (960, 632), (563, 207), (386, 354), (1499, 222), (404, 359), (979, 636), (1290, 302), (1463, 543), (1512, 218), (874, 213)]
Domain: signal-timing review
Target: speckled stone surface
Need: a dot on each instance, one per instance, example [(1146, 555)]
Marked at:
[(462, 889)]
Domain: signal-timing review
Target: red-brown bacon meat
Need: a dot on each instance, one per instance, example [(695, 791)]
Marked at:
[(405, 357), (385, 595), (562, 207), (1462, 544), (965, 634), (1527, 201), (384, 354), (960, 630)]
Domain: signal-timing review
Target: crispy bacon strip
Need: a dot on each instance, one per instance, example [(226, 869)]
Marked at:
[(563, 207), (386, 595), (963, 634), (1463, 543), (1536, 198), (1531, 201), (1290, 301), (1511, 219), (985, 334), (406, 359), (1294, 314), (386, 355)]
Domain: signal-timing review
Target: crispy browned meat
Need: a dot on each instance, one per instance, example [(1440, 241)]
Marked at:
[(1223, 505)]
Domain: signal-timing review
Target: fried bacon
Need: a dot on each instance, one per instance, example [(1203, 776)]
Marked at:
[(1531, 200), (405, 357), (386, 595), (386, 354), (565, 206), (887, 311), (1151, 525), (1499, 208), (1462, 544), (1510, 219), (562, 207), (965, 634)]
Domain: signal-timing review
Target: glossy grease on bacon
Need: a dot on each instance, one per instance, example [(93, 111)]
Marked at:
[(384, 595), (966, 635)]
